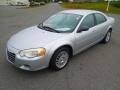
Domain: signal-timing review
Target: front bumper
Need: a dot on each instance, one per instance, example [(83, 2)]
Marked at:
[(29, 64)]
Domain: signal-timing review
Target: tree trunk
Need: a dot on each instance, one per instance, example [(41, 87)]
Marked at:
[(31, 2)]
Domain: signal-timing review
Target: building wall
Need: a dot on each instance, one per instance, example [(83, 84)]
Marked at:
[(13, 2), (7, 2), (3, 2), (111, 0)]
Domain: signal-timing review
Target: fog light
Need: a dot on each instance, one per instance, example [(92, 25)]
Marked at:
[(25, 67)]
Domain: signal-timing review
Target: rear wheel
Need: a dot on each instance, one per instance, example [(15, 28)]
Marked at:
[(60, 58), (107, 37)]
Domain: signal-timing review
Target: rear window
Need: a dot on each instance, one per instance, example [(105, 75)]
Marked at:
[(100, 18)]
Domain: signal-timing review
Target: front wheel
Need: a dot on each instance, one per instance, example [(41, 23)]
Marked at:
[(60, 58), (107, 37)]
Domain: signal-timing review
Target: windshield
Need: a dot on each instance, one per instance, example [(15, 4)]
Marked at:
[(62, 22)]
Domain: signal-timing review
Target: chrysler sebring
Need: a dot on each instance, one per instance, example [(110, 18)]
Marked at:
[(53, 42)]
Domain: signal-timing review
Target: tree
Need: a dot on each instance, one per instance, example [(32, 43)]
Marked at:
[(31, 2)]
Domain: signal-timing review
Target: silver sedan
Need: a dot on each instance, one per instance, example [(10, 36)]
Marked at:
[(53, 42)]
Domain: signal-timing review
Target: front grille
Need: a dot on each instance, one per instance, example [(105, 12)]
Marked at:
[(11, 56)]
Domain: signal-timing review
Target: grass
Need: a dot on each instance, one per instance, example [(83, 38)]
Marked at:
[(100, 6)]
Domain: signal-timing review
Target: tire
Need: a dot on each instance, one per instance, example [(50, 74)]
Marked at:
[(60, 58), (107, 37)]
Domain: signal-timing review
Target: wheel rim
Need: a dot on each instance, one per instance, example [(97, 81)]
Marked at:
[(62, 59), (108, 36)]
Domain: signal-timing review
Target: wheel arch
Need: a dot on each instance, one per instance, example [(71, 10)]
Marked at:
[(109, 28), (62, 46), (67, 46)]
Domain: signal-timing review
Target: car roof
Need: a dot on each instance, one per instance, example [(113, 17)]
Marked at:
[(80, 11)]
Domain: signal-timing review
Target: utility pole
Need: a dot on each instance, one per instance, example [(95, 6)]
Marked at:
[(108, 5)]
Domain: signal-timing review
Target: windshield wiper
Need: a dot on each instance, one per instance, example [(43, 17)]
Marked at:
[(48, 28), (40, 26)]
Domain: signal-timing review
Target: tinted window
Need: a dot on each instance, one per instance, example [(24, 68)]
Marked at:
[(100, 18), (88, 21)]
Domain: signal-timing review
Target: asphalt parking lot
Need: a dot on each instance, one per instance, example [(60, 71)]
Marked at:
[(97, 68)]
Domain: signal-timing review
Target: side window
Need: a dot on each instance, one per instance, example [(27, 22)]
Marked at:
[(100, 18), (88, 21)]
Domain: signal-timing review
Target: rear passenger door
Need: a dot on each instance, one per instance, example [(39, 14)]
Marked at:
[(101, 26)]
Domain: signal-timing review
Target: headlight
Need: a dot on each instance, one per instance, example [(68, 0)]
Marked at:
[(31, 53)]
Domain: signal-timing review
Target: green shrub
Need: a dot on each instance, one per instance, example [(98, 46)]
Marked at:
[(116, 4), (46, 1), (64, 0)]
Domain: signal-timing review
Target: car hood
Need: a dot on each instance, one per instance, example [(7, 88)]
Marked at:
[(33, 37)]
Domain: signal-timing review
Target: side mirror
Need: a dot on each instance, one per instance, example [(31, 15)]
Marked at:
[(83, 28)]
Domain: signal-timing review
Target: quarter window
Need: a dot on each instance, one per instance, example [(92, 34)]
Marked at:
[(100, 18)]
